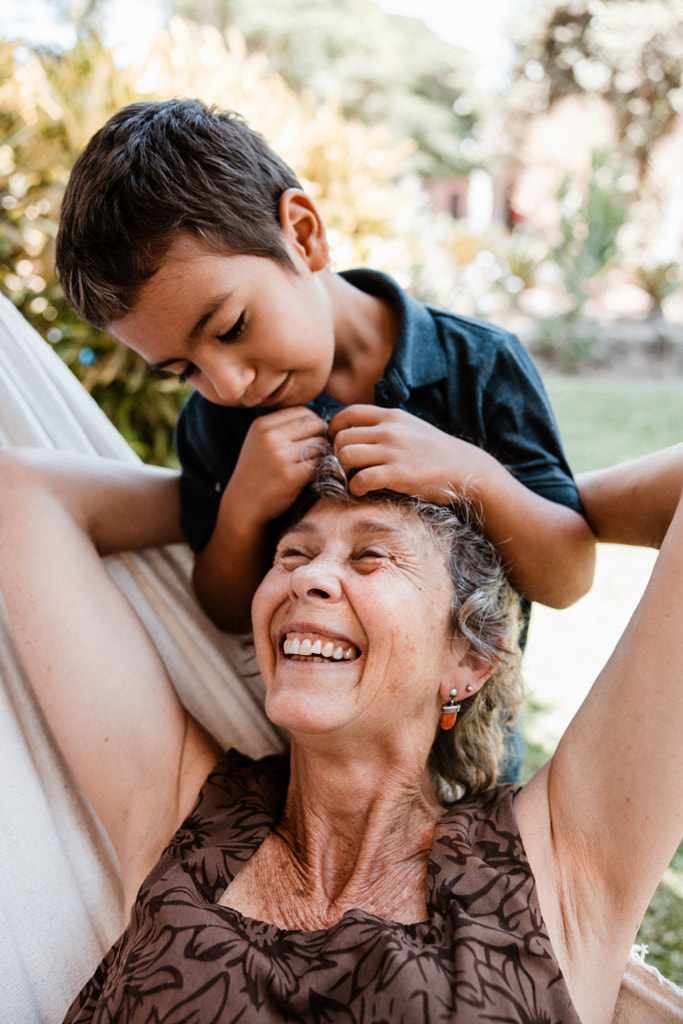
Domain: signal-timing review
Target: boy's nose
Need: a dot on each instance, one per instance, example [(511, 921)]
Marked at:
[(230, 383)]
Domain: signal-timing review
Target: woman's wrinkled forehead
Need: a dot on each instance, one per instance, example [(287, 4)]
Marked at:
[(399, 525)]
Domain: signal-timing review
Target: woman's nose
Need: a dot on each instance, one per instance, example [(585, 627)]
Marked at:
[(316, 580)]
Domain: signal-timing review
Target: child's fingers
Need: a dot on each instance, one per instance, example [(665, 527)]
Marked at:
[(295, 422), (310, 451), (355, 456), (389, 433), (285, 438), (355, 437), (308, 425), (360, 416), (377, 478)]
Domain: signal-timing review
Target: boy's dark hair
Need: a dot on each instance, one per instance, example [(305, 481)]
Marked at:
[(154, 171)]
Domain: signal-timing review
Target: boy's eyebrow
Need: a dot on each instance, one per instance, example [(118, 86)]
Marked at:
[(207, 312)]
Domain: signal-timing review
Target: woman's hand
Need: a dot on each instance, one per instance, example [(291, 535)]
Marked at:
[(634, 503)]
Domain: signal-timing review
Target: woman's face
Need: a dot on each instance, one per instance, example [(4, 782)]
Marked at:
[(352, 623)]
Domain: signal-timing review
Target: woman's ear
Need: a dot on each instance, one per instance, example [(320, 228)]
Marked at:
[(303, 227), (469, 674)]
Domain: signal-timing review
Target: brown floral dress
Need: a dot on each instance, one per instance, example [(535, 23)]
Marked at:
[(482, 957)]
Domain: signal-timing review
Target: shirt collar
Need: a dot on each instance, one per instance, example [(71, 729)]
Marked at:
[(417, 359)]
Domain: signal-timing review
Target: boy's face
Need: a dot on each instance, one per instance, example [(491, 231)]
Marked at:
[(244, 330)]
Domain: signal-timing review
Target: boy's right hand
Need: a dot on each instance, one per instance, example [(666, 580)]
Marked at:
[(277, 460)]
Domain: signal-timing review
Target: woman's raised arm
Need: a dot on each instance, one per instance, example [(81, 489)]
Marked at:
[(97, 675), (634, 503), (603, 819)]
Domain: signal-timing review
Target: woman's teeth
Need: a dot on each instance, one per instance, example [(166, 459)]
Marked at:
[(293, 647)]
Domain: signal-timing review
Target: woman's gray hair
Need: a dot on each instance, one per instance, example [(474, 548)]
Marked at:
[(485, 613)]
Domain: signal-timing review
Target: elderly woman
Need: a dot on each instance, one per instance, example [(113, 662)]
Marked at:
[(372, 875)]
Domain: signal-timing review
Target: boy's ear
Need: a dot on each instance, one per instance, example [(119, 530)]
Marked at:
[(303, 227)]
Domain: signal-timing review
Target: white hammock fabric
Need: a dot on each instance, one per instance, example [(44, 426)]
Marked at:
[(60, 894)]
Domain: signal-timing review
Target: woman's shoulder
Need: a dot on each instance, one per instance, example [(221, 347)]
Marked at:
[(479, 869), (235, 809), (236, 777), (490, 804), (481, 883), (481, 830)]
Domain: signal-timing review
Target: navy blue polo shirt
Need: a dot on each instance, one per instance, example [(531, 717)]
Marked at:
[(467, 377)]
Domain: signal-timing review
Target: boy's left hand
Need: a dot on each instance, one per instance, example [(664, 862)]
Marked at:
[(391, 448), (547, 548)]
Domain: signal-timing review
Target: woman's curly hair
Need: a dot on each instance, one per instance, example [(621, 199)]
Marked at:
[(485, 612)]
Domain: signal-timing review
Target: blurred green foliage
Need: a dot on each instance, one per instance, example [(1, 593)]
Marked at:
[(590, 221), (662, 927), (380, 68)]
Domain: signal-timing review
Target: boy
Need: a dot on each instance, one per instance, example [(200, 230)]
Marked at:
[(186, 237)]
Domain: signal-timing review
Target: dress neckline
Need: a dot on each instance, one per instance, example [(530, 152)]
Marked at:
[(271, 805)]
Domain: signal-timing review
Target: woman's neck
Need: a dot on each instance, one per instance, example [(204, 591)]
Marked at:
[(351, 836), (353, 812)]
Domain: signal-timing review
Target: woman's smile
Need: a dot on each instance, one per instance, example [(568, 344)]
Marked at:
[(316, 648), (316, 642)]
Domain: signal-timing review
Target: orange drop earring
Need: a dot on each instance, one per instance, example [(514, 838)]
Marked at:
[(449, 711)]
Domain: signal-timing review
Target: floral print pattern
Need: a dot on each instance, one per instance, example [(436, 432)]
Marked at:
[(482, 957)]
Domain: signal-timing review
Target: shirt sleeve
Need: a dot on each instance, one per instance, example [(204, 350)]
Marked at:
[(208, 439), (496, 399), (520, 426)]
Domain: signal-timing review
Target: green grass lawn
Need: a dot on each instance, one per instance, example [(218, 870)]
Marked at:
[(604, 421)]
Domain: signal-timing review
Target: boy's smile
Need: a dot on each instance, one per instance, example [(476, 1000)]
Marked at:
[(245, 330)]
